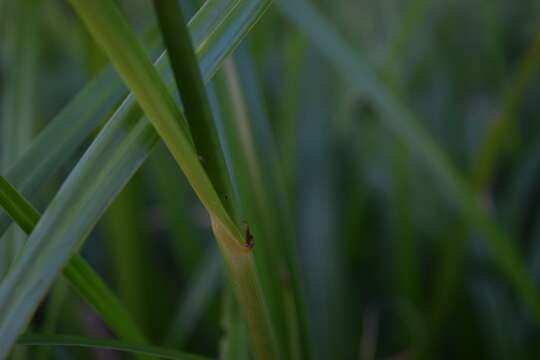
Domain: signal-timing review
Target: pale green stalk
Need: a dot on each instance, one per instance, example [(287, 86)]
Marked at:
[(112, 33), (233, 343), (215, 21), (117, 152), (253, 159)]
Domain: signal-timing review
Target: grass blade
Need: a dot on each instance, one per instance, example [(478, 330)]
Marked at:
[(17, 207), (254, 164), (80, 341), (233, 343), (118, 151), (101, 95), (194, 99), (112, 32), (79, 274)]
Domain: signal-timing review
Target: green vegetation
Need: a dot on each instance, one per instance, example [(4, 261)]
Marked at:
[(257, 179)]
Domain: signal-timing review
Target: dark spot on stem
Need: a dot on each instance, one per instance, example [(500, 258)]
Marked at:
[(248, 237)]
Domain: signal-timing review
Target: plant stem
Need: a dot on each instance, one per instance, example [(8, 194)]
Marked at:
[(111, 31), (192, 91)]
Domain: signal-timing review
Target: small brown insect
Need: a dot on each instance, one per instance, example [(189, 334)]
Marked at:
[(248, 237)]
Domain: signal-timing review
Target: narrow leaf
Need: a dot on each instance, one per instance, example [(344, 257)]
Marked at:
[(79, 341), (118, 151), (110, 29), (21, 211), (101, 95), (194, 99)]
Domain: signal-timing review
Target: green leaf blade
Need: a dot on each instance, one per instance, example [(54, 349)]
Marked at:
[(118, 151), (110, 344), (194, 99)]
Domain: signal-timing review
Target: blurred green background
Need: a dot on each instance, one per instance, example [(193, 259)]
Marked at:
[(392, 231)]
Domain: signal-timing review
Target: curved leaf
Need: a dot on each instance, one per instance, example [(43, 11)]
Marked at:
[(110, 344), (112, 32), (102, 94), (117, 152)]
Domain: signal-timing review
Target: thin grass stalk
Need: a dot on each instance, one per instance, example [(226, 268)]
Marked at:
[(111, 344), (111, 31), (244, 279), (261, 193), (117, 152), (252, 195), (233, 343), (192, 91), (210, 25)]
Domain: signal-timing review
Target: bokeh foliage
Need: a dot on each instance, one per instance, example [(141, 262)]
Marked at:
[(384, 155)]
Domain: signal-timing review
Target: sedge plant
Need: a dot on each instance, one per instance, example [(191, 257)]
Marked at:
[(256, 179)]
